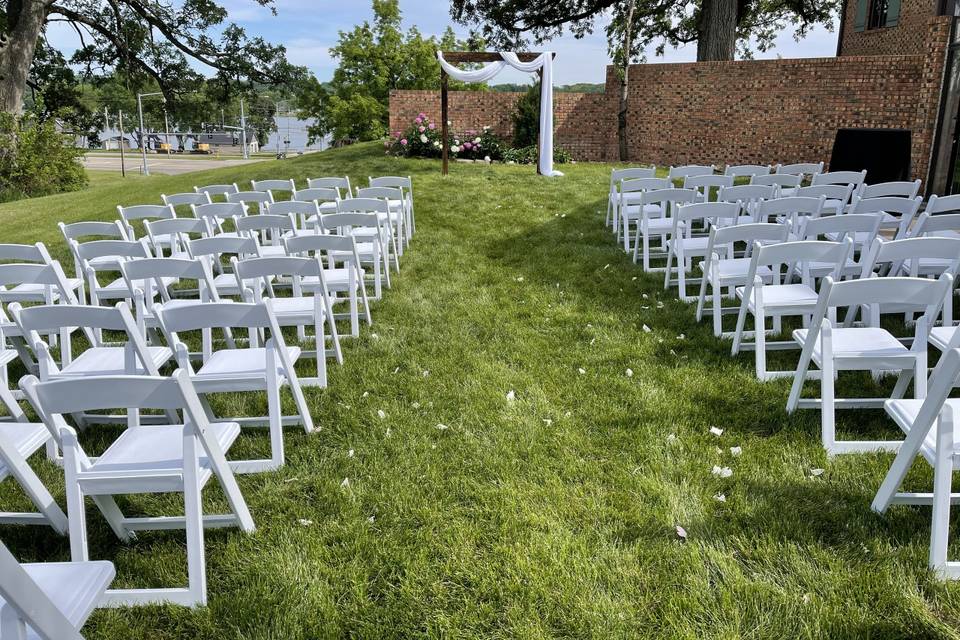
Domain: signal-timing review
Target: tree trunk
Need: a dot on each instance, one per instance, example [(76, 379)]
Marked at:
[(16, 54), (717, 38), (625, 85)]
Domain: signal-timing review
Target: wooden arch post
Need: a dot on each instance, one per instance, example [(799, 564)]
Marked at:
[(470, 57)]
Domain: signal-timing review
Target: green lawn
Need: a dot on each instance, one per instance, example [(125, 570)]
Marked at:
[(463, 514)]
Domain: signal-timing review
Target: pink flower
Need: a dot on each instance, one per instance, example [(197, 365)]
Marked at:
[(432, 126), (422, 115), (396, 134), (466, 145), (404, 142), (418, 120), (422, 129)]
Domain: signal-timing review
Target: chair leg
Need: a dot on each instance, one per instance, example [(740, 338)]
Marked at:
[(760, 344), (942, 481), (828, 425), (702, 297), (193, 517), (354, 311), (275, 410)]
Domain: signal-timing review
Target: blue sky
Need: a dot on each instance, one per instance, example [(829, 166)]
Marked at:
[(309, 28)]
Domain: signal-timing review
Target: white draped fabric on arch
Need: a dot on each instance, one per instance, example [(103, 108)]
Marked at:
[(544, 63)]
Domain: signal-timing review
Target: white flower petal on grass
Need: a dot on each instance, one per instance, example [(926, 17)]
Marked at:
[(736, 451), (389, 432), (715, 431), (681, 532), (374, 336), (644, 296), (672, 437), (581, 370), (304, 522), (519, 278), (345, 484), (647, 329), (682, 336), (415, 405), (547, 421), (350, 453), (426, 373), (606, 266), (442, 427), (722, 472), (633, 278), (592, 341), (381, 414), (567, 414), (511, 396), (816, 473), (720, 497), (371, 519), (289, 480), (629, 373), (397, 370)]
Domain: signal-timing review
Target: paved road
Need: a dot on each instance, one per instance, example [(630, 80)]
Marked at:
[(159, 164)]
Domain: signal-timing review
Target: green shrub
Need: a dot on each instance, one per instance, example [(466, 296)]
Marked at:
[(526, 119), (36, 159)]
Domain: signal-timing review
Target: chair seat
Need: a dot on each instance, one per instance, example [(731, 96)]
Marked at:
[(30, 292), (241, 363), (857, 342), (337, 279), (158, 447), (272, 250), (735, 270), (927, 266), (824, 269), (295, 308), (632, 212), (690, 246), (118, 289), (940, 337), (25, 437), (783, 296), (110, 361), (75, 588), (904, 413), (226, 284)]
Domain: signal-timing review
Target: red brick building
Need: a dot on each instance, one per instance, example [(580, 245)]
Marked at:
[(895, 69)]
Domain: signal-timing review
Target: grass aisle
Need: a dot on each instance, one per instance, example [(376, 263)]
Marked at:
[(431, 504)]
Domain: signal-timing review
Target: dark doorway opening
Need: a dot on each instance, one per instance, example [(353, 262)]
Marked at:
[(884, 153)]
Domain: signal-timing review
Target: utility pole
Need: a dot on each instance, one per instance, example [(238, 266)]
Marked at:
[(243, 131), (123, 168), (143, 147), (166, 127), (106, 125)]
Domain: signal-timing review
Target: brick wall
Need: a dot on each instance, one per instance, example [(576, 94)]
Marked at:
[(908, 37), (762, 111), (581, 121)]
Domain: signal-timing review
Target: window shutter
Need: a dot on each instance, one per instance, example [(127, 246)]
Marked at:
[(860, 21), (893, 13)]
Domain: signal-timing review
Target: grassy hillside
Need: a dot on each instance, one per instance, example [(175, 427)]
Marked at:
[(462, 513)]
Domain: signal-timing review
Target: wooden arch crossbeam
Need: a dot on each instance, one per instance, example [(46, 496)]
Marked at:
[(469, 57)]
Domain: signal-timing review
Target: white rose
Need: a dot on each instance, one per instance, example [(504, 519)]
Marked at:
[(436, 143), (423, 138), (456, 142), (455, 148), (477, 140), (486, 159)]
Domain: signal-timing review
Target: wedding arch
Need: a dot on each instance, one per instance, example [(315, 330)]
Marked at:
[(541, 63)]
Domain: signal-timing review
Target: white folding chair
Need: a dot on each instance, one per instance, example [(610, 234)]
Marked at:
[(864, 348), (273, 187), (185, 199), (802, 169), (268, 229), (706, 183), (749, 196), (836, 196), (678, 173), (219, 212), (683, 245), (722, 270), (347, 279), (19, 440), (99, 257), (778, 297), (941, 217), (259, 198), (838, 228), (306, 214), (77, 232), (613, 199), (791, 210), (30, 291), (393, 219), (214, 190), (342, 185), (49, 600), (178, 231), (628, 211), (175, 457), (235, 370), (747, 170), (930, 428), (360, 219), (655, 209), (405, 184), (215, 249), (854, 178), (897, 213), (785, 183), (324, 199), (904, 189), (145, 277), (142, 212), (301, 309)]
